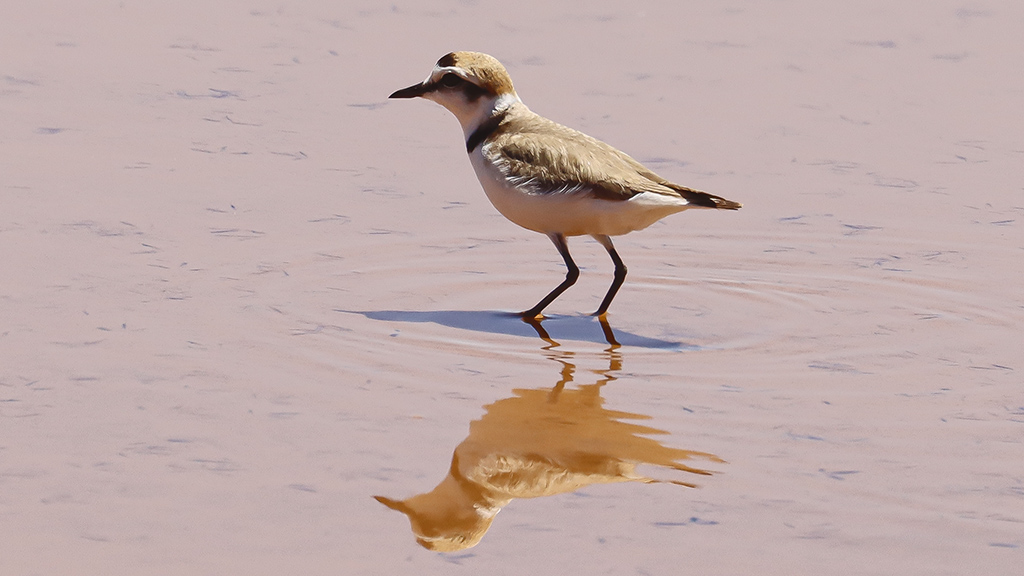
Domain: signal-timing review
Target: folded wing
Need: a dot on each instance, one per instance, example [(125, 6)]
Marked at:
[(544, 157)]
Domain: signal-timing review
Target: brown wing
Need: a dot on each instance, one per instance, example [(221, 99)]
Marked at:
[(548, 158)]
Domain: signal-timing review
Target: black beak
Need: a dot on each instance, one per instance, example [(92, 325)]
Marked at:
[(412, 91)]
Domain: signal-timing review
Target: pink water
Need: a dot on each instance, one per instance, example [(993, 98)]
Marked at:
[(242, 293)]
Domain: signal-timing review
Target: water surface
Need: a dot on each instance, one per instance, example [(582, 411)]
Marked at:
[(243, 293)]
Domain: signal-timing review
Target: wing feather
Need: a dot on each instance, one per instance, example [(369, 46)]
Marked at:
[(544, 157)]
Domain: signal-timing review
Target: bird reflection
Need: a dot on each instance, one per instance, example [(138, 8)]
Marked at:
[(539, 442), (609, 336)]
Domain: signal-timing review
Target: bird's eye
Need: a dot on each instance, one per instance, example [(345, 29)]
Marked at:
[(451, 80)]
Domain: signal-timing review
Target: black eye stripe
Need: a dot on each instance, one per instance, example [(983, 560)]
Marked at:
[(451, 80), (454, 82)]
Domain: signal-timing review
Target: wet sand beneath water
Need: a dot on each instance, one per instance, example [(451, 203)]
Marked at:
[(243, 294)]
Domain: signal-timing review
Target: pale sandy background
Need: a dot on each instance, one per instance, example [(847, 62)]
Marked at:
[(241, 292)]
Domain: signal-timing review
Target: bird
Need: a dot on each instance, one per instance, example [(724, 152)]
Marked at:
[(547, 177)]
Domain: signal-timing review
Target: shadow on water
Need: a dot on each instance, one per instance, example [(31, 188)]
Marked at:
[(540, 442), (573, 328)]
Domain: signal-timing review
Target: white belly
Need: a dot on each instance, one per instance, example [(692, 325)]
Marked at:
[(571, 214)]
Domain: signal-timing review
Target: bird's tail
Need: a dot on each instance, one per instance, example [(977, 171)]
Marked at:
[(705, 200)]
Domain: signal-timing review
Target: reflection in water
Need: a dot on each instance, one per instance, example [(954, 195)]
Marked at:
[(539, 442)]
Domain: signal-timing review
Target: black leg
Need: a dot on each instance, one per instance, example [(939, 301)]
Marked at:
[(571, 276), (620, 273)]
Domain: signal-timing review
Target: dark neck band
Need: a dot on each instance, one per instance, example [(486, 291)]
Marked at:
[(483, 131)]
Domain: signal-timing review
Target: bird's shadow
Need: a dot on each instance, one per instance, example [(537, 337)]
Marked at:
[(551, 329)]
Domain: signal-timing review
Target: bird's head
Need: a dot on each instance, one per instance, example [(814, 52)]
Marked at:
[(470, 85)]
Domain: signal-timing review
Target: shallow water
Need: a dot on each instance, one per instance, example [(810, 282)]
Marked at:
[(244, 293)]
